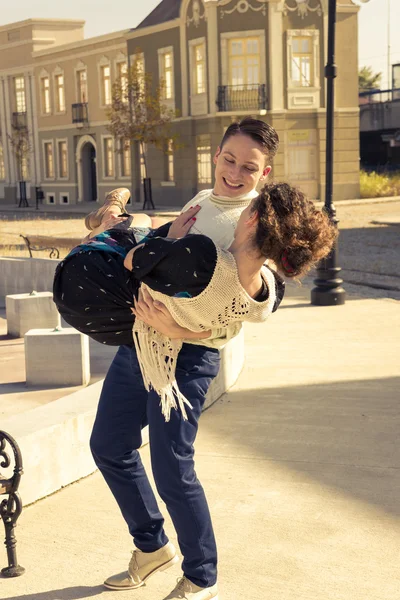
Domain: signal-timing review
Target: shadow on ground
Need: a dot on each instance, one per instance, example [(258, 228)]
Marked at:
[(72, 593), (342, 435)]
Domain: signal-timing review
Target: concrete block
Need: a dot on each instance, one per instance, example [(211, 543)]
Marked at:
[(22, 275), (57, 357), (30, 311)]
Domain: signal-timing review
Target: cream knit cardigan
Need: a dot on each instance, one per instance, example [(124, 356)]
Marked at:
[(222, 302)]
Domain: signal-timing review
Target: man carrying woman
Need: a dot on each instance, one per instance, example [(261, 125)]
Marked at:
[(182, 272)]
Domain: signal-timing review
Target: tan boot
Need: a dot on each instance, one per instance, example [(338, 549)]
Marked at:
[(116, 200), (186, 590), (141, 566)]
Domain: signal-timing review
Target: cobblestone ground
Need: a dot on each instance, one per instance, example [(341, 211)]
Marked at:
[(369, 249)]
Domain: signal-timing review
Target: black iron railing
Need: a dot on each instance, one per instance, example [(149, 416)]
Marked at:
[(11, 505), (80, 112), (19, 120), (242, 97), (378, 96)]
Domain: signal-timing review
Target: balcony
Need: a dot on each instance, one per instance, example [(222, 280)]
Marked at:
[(80, 113), (233, 98), (379, 110), (19, 120)]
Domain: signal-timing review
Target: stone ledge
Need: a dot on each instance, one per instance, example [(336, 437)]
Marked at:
[(54, 438)]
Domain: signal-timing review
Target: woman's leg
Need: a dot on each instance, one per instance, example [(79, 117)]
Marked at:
[(172, 455), (115, 440)]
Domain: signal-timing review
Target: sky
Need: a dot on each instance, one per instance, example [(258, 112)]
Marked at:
[(103, 16)]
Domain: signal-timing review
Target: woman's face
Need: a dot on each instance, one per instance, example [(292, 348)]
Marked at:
[(246, 223), (239, 166)]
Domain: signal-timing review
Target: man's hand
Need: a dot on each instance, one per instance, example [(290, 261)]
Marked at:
[(182, 224), (157, 315)]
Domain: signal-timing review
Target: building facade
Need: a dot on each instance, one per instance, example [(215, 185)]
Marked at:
[(219, 60), (230, 58)]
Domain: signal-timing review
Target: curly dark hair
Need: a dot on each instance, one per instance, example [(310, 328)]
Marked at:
[(291, 231)]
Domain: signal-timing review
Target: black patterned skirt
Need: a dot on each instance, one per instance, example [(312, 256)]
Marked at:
[(94, 293)]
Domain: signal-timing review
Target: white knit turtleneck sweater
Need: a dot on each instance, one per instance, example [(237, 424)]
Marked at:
[(217, 219), (219, 215)]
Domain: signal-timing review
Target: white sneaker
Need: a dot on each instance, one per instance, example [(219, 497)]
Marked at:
[(186, 590), (141, 566)]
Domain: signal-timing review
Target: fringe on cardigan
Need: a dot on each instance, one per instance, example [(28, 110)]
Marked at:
[(157, 355)]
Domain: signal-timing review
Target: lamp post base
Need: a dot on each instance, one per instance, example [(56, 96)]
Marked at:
[(13, 571), (330, 297)]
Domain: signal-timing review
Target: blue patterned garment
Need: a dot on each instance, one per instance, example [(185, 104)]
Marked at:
[(117, 240)]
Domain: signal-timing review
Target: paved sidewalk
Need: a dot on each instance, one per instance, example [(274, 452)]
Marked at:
[(15, 395), (300, 462)]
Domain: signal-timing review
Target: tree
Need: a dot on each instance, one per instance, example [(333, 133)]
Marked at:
[(137, 112), (367, 80), (21, 147)]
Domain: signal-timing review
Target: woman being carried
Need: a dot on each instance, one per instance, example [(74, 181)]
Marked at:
[(202, 285)]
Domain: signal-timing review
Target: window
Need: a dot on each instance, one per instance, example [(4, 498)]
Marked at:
[(244, 61), (51, 198), (63, 159), (108, 149), (45, 95), (203, 159), (49, 160), (303, 89), (126, 158), (199, 64), (64, 198), (170, 161), (2, 166), (122, 74), (105, 85), (166, 70), (19, 90), (82, 85), (60, 93), (302, 62)]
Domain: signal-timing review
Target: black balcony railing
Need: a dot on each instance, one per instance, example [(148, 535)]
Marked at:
[(378, 96), (19, 120), (242, 97), (80, 112)]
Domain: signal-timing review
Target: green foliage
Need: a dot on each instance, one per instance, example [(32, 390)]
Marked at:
[(137, 112), (376, 185), (367, 80)]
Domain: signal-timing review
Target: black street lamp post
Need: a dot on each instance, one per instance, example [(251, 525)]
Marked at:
[(328, 290)]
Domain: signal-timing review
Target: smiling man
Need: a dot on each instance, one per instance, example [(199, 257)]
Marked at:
[(241, 162)]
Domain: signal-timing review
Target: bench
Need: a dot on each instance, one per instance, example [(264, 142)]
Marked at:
[(39, 243), (11, 506)]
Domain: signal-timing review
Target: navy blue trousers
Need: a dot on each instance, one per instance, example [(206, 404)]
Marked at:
[(126, 407)]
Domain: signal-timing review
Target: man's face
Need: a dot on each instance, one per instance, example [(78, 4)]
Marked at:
[(239, 166)]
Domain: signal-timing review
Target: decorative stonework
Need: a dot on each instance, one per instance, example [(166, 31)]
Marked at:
[(302, 7), (242, 6), (196, 14)]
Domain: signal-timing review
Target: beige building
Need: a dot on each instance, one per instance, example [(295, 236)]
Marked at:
[(220, 60)]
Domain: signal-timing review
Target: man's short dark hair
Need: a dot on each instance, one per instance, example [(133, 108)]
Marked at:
[(259, 131)]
